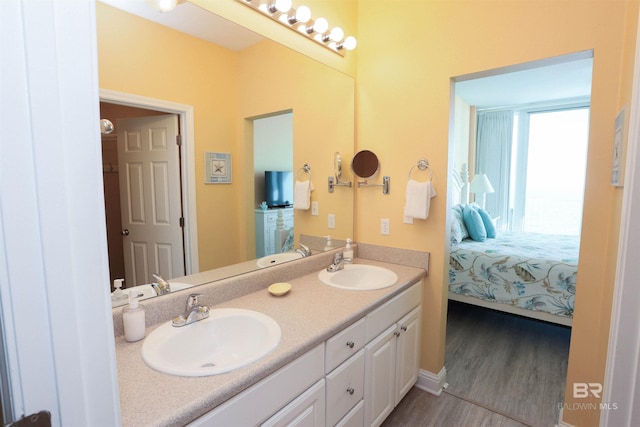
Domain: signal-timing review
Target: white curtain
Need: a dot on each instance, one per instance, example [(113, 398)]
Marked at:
[(493, 158)]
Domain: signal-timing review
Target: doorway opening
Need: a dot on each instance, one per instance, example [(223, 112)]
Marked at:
[(136, 106), (517, 154)]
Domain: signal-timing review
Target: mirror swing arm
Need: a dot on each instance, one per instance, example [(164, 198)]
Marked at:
[(337, 165), (385, 184)]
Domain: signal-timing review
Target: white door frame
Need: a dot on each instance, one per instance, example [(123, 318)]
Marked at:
[(623, 356), (187, 165), (54, 272)]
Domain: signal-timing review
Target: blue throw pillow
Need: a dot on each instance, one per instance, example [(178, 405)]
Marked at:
[(474, 223), (488, 223)]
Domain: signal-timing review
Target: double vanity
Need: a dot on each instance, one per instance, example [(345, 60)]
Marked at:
[(328, 354)]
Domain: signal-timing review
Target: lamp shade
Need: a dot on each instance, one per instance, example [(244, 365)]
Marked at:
[(481, 184)]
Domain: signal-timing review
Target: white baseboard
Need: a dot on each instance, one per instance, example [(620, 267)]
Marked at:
[(430, 382), (562, 423)]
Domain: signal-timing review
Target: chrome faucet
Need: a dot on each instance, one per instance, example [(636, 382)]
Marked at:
[(193, 312), (161, 286), (338, 262), (304, 250)]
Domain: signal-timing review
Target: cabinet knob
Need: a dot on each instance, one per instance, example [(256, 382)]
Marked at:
[(396, 333), (350, 344), (351, 390), (404, 328)]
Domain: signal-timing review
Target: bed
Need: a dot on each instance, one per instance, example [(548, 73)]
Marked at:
[(528, 274)]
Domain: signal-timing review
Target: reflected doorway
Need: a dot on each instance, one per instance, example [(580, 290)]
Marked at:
[(124, 247), (274, 177)]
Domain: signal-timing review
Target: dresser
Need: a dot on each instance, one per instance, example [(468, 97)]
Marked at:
[(266, 225)]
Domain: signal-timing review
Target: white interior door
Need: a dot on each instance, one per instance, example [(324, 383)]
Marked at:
[(149, 165)]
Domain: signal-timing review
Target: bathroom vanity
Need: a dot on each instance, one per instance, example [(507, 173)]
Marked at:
[(344, 358)]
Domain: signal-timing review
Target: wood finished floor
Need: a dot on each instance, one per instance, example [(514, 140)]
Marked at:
[(502, 370)]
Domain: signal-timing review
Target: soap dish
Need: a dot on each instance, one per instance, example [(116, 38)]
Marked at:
[(279, 289)]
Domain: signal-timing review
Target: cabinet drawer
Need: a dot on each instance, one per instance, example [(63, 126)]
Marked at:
[(345, 388), (391, 311), (355, 417), (344, 345)]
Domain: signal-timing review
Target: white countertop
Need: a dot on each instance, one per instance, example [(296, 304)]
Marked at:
[(308, 315)]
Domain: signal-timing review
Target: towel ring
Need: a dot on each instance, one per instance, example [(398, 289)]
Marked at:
[(423, 164), (306, 169)]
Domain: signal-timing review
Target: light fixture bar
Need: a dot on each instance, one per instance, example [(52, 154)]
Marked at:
[(299, 20)]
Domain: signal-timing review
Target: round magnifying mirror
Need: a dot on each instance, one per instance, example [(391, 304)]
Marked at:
[(337, 165), (365, 164)]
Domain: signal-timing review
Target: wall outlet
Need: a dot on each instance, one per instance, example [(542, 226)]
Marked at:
[(331, 223), (384, 226), (314, 208)]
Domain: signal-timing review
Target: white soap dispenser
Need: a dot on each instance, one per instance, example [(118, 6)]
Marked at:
[(118, 297), (348, 250), (329, 245), (133, 319)]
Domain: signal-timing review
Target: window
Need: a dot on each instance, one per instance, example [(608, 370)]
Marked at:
[(548, 173)]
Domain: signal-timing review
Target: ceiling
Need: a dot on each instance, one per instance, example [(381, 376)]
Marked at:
[(559, 79), (191, 19)]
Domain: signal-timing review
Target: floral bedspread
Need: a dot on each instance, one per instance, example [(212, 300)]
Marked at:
[(527, 270)]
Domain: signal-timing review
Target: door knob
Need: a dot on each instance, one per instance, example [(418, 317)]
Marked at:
[(125, 232)]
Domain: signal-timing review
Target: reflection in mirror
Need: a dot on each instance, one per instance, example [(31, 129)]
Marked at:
[(365, 164), (337, 165), (226, 95)]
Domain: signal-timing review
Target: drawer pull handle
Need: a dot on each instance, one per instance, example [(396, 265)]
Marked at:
[(404, 328), (351, 390), (350, 344)]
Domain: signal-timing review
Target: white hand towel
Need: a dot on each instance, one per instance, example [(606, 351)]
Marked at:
[(302, 195), (418, 199)]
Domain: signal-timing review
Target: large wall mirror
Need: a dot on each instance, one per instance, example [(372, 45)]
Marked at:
[(233, 91)]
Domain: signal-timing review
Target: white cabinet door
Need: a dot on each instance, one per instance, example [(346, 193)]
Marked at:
[(408, 353), (380, 368), (307, 410)]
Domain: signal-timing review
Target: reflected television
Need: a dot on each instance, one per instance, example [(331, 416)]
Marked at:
[(278, 188)]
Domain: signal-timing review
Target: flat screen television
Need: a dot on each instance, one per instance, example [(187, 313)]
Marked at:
[(278, 188)]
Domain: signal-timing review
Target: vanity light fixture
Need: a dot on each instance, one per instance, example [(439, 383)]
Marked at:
[(299, 19)]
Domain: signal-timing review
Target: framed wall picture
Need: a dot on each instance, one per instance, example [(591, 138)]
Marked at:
[(618, 145), (217, 168)]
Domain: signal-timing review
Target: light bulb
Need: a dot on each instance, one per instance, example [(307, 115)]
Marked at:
[(320, 25), (349, 43), (163, 5), (282, 6), (303, 14), (336, 34)]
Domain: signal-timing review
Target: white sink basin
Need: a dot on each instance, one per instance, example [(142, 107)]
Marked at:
[(277, 259), (228, 339), (359, 277)]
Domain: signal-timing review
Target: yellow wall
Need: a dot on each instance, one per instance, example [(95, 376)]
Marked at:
[(408, 52), (143, 58)]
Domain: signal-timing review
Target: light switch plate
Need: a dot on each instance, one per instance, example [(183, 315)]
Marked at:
[(384, 226), (314, 208), (331, 222)]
